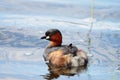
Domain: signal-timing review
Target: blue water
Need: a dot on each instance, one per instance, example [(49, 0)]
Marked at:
[(23, 22), (104, 9)]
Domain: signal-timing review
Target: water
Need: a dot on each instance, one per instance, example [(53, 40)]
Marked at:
[(22, 23)]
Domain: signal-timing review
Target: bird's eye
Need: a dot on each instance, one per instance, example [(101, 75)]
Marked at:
[(47, 33)]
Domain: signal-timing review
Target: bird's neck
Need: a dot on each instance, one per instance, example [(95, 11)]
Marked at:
[(53, 44), (56, 40)]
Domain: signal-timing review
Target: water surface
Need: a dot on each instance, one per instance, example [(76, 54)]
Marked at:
[(22, 23)]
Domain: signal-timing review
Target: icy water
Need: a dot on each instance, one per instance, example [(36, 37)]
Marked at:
[(22, 23)]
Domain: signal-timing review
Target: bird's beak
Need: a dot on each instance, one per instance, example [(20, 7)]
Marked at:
[(44, 37)]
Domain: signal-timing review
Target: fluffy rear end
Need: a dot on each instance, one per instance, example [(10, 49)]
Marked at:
[(80, 60)]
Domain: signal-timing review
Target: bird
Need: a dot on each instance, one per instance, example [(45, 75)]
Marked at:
[(61, 55)]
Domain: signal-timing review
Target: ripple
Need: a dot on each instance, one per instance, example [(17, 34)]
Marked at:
[(19, 39)]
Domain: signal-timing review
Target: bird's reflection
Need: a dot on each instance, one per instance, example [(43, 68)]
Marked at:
[(56, 72)]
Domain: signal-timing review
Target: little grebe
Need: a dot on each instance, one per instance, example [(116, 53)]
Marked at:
[(62, 55)]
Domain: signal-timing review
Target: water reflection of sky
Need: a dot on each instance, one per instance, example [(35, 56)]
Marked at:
[(22, 22), (84, 2), (104, 9)]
